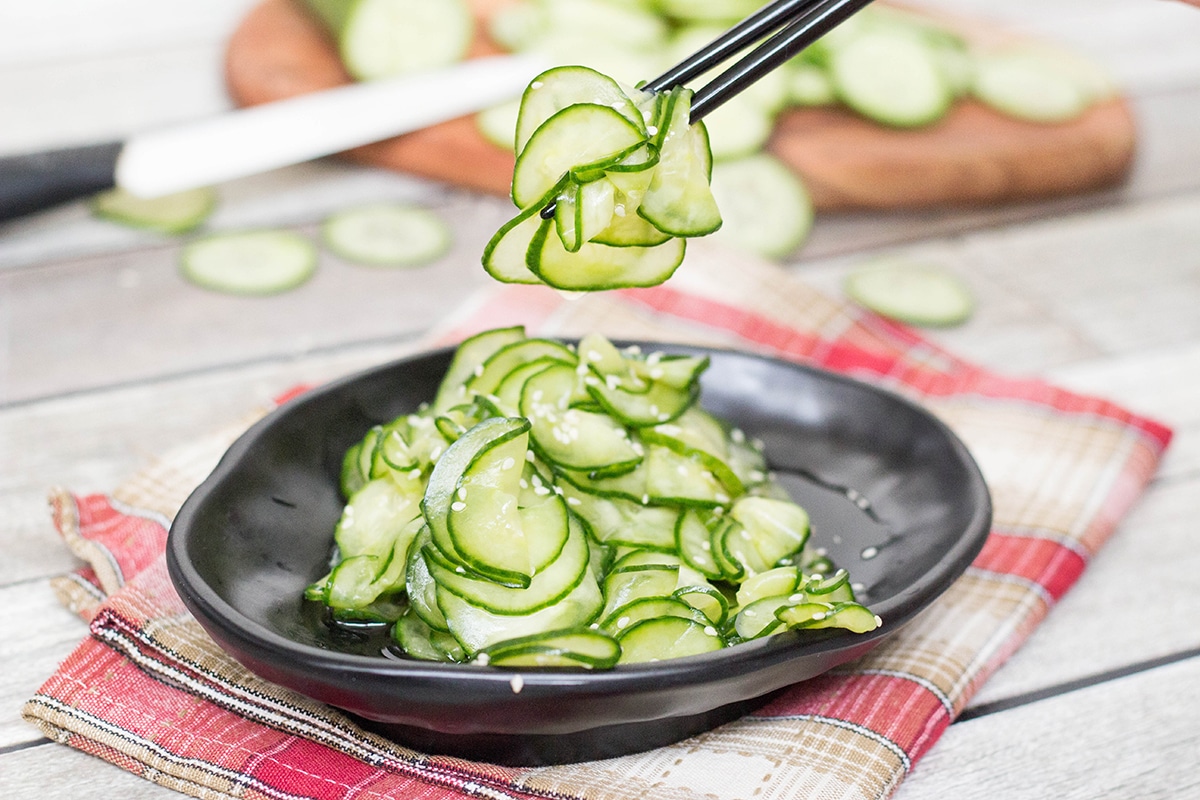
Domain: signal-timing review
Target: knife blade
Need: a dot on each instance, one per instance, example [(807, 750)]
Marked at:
[(251, 140)]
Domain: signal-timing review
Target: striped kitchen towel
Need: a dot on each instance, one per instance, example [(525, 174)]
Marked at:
[(150, 692)]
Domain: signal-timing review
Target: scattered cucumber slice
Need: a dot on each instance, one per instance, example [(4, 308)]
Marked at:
[(892, 76), (911, 292), (1035, 84), (257, 262), (174, 213), (498, 124), (383, 38), (387, 235), (765, 207)]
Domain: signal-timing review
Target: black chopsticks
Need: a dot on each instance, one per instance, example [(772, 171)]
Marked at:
[(799, 24)]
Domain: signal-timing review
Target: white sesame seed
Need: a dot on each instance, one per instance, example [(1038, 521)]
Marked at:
[(517, 683), (459, 506)]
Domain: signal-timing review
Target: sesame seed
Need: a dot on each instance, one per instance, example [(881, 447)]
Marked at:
[(517, 683), (458, 506), (869, 552), (482, 659)]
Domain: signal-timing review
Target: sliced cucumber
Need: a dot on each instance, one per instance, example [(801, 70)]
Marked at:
[(765, 207), (540, 514), (892, 76), (258, 262), (174, 213), (555, 147), (387, 235), (1036, 84), (383, 38), (562, 87), (738, 128), (911, 292)]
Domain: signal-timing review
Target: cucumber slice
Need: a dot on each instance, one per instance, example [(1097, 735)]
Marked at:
[(476, 628), (765, 206), (678, 200), (387, 235), (911, 292), (468, 359), (1036, 84), (583, 647), (258, 262), (498, 124), (383, 38), (561, 87), (579, 134), (595, 267), (808, 85), (662, 638), (738, 128), (174, 213), (891, 76)]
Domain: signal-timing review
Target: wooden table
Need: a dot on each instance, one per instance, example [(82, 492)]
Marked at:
[(1098, 293)]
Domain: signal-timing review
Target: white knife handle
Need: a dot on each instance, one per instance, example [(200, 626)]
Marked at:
[(265, 137)]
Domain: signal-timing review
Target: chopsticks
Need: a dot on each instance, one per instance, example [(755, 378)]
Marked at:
[(802, 23)]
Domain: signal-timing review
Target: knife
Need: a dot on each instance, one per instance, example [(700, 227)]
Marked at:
[(260, 138)]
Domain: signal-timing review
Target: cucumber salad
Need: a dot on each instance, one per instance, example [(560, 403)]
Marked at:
[(609, 181), (572, 505)]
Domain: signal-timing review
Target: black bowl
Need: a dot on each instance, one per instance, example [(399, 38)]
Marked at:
[(893, 494)]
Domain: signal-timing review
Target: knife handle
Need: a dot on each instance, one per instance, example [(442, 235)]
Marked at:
[(36, 181)]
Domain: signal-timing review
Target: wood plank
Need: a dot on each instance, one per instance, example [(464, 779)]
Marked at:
[(1134, 737), (55, 772), (38, 634)]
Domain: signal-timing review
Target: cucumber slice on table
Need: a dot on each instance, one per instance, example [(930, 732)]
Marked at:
[(915, 293), (387, 235), (173, 213), (257, 262), (765, 207), (382, 38)]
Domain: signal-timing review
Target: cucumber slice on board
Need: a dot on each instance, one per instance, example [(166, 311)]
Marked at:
[(257, 262), (173, 213), (387, 235), (911, 292), (1037, 84), (891, 76), (765, 207), (382, 38)]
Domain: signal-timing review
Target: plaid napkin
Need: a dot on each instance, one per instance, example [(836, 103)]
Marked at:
[(150, 692)]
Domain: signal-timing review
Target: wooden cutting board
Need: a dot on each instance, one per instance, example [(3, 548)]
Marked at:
[(973, 156)]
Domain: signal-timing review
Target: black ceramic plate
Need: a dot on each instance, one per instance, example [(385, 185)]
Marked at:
[(893, 495)]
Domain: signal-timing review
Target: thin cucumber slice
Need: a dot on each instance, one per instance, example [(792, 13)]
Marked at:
[(583, 647), (1036, 84), (505, 257), (583, 211), (259, 262), (173, 213), (891, 76), (911, 292), (765, 206), (476, 628), (387, 235), (561, 87), (678, 200), (383, 38), (579, 134), (662, 638), (469, 358), (596, 267)]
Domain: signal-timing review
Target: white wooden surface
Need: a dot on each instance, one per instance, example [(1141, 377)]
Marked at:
[(1097, 293)]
